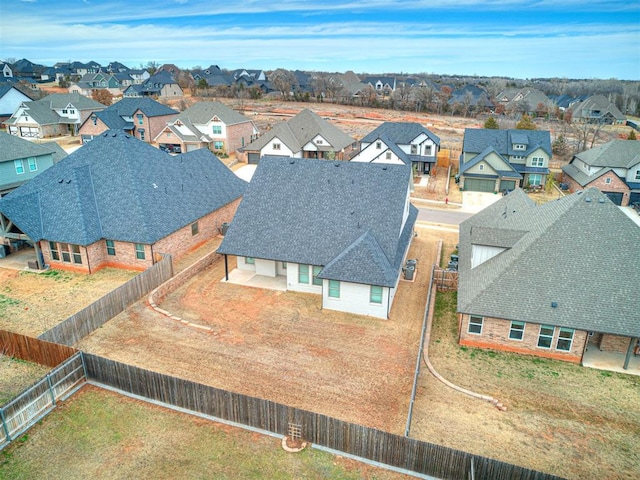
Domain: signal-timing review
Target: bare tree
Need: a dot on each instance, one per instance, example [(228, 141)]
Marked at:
[(283, 81)]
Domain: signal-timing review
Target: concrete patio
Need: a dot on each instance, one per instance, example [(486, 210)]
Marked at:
[(19, 260), (613, 362), (250, 279)]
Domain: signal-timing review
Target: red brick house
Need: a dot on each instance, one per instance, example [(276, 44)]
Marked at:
[(118, 202), (552, 280), (143, 118), (613, 168)]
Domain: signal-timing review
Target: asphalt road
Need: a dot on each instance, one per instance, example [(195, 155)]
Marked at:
[(442, 217)]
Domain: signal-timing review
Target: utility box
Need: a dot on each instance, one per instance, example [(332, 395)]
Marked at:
[(408, 273), (224, 227)]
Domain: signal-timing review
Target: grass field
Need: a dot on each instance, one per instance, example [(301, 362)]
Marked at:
[(561, 418), (16, 375), (98, 434)]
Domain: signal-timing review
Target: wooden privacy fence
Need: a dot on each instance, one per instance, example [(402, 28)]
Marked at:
[(445, 279), (376, 445), (81, 324), (37, 401), (33, 349)]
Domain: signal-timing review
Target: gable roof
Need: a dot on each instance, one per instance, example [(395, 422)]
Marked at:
[(476, 140), (62, 100), (613, 154), (402, 133), (201, 113), (336, 220), (14, 148), (127, 107), (300, 130), (596, 106), (575, 251), (495, 164), (80, 200)]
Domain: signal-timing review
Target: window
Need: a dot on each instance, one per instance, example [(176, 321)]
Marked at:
[(284, 265), (140, 251), (537, 162), (194, 228), (637, 174), (53, 248), (319, 141), (275, 146), (535, 179), (250, 260), (316, 271), (481, 167), (414, 149), (427, 150), (519, 146), (111, 248), (565, 339), (218, 145), (475, 325), (388, 155), (334, 288), (77, 256), (216, 129), (140, 119), (516, 332), (72, 111), (545, 337), (303, 274), (94, 119), (378, 145), (141, 134), (19, 166), (607, 180), (375, 295), (65, 111), (66, 256)]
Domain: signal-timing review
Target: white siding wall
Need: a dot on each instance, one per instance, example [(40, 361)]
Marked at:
[(354, 298), (266, 268), (631, 173), (369, 152), (538, 153), (269, 150), (482, 253), (243, 265)]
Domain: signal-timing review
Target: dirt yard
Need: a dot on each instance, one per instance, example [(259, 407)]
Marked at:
[(281, 346)]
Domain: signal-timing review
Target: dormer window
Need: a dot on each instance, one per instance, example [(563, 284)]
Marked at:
[(519, 146), (481, 167), (414, 149), (388, 155), (378, 145), (276, 146)]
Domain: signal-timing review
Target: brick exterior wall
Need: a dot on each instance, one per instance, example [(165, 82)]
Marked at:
[(495, 335), (617, 185), (614, 343), (152, 126), (235, 134), (179, 243)]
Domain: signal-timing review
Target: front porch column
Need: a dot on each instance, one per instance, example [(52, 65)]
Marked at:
[(226, 268), (627, 359)]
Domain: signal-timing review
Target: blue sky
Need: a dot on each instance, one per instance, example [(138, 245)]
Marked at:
[(514, 38)]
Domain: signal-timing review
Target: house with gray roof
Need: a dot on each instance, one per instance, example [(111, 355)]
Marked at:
[(210, 125), (319, 227), (501, 160), (10, 99), (383, 86), (21, 160), (613, 168), (91, 82), (306, 135), (54, 115), (524, 100), (597, 109), (405, 143), (162, 84), (552, 280), (81, 216), (144, 118)]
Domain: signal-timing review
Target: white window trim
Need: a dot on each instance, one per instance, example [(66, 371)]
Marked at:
[(471, 323), (524, 326)]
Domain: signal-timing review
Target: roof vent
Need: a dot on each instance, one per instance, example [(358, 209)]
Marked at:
[(588, 199), (291, 162), (601, 200), (384, 168), (554, 304), (61, 180), (336, 164)]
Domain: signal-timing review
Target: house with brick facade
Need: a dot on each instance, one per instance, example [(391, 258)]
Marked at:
[(499, 160), (613, 168), (306, 135), (210, 125), (54, 115), (403, 143), (320, 227), (552, 280), (142, 118), (119, 202)]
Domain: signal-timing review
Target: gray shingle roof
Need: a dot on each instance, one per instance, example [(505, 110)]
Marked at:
[(577, 251), (402, 133), (486, 156), (614, 154), (300, 130), (345, 216), (120, 188), (126, 107), (202, 112), (477, 139), (14, 148)]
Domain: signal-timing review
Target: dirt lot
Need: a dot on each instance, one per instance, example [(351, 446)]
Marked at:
[(281, 346)]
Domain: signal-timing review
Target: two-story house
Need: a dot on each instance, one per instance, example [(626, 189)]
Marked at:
[(161, 84), (306, 135), (144, 118), (54, 115), (91, 82), (501, 160), (613, 168), (10, 99), (207, 124), (402, 143), (320, 227)]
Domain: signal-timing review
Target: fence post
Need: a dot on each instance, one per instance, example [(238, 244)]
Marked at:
[(53, 394), (4, 425)]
